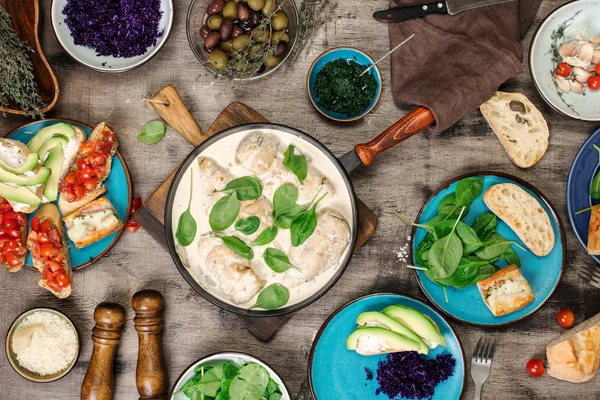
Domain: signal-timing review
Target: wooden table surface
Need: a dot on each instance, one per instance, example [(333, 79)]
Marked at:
[(401, 179)]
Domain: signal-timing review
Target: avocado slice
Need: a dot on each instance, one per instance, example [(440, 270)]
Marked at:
[(19, 194), (49, 144), (54, 164), (47, 132), (30, 163), (377, 319), (374, 340), (37, 178), (418, 322)]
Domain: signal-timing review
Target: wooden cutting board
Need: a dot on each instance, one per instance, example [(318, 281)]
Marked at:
[(151, 215)]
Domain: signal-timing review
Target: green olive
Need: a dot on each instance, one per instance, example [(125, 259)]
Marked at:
[(230, 10), (227, 46), (272, 61), (240, 41), (256, 5), (277, 37), (259, 35), (218, 59), (268, 8), (214, 22), (279, 21)]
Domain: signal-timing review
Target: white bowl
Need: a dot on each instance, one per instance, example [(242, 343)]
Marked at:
[(221, 358), (583, 107), (87, 56)]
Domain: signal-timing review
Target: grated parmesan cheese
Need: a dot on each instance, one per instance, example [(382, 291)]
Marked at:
[(44, 343)]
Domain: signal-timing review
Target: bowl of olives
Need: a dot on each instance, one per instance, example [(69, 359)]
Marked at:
[(242, 39)]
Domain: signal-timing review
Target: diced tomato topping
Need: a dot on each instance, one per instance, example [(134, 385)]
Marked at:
[(10, 245), (12, 249), (45, 226), (63, 280), (47, 250), (71, 178), (12, 233), (35, 223), (53, 265), (132, 225), (12, 260), (136, 204), (87, 147), (54, 237), (79, 191), (109, 135), (45, 245), (11, 224)]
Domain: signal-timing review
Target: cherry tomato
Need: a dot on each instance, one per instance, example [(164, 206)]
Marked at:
[(535, 367), (566, 318), (63, 280), (563, 69), (136, 204), (597, 69), (594, 82), (132, 225), (12, 260)]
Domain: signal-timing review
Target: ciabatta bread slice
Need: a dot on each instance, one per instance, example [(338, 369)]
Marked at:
[(92, 222), (519, 125), (523, 214), (593, 243)]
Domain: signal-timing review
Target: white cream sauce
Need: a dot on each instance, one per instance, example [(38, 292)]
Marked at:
[(223, 152)]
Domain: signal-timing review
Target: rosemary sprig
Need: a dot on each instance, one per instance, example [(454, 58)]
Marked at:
[(17, 81)]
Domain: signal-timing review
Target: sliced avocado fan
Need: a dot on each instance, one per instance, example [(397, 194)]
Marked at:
[(47, 132), (418, 322), (54, 164), (30, 163), (378, 341), (39, 177), (377, 319), (19, 194)]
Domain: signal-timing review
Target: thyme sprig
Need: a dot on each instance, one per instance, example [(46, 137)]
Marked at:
[(17, 81), (313, 15)]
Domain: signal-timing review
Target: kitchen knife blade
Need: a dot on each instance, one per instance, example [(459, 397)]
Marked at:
[(451, 7)]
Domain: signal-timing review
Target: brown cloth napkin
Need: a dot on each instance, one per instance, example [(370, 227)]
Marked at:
[(456, 62)]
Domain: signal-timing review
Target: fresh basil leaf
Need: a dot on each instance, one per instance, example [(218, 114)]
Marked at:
[(467, 190), (246, 187), (248, 226), (272, 297), (224, 212), (238, 246), (284, 199), (277, 260), (265, 237), (186, 226), (484, 225), (295, 163), (152, 132)]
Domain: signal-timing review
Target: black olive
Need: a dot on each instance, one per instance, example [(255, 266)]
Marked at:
[(281, 49), (254, 18)]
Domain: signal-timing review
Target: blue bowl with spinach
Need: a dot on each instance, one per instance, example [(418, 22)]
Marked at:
[(337, 90)]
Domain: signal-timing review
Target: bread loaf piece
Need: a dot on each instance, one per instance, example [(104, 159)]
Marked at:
[(593, 244), (524, 214), (521, 128)]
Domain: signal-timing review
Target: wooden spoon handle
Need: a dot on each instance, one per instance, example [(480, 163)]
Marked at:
[(412, 123), (98, 383), (151, 372), (168, 104)]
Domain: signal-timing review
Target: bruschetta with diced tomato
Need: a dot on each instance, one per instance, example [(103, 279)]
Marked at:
[(85, 180), (13, 236), (49, 251)]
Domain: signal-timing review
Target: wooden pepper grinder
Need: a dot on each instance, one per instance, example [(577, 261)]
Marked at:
[(98, 383), (151, 373)]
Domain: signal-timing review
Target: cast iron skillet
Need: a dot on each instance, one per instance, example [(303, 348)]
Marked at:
[(362, 154)]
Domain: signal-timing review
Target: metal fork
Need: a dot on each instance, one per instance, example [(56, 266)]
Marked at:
[(481, 364), (591, 274)]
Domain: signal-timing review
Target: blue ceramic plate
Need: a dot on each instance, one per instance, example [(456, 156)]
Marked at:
[(335, 372), (345, 53), (542, 273), (119, 194), (583, 169)]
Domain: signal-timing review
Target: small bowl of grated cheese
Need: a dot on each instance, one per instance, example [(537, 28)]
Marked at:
[(42, 345)]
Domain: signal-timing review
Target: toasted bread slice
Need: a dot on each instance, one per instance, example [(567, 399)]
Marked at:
[(520, 127), (49, 211), (505, 291), (593, 243), (16, 152), (524, 214), (67, 207), (92, 222)]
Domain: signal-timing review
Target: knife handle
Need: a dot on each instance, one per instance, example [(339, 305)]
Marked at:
[(399, 14), (411, 124)]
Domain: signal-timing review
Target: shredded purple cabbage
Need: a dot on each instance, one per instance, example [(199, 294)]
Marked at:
[(369, 374), (119, 28), (412, 376)]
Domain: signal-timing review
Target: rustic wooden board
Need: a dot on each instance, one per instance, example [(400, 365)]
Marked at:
[(151, 215)]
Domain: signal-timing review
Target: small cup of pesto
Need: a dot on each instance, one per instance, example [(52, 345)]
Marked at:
[(336, 88)]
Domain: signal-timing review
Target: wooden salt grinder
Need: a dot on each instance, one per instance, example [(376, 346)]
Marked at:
[(98, 383), (151, 373)]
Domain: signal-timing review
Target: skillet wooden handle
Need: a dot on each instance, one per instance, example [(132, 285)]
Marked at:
[(151, 372), (98, 383), (168, 104), (412, 123)]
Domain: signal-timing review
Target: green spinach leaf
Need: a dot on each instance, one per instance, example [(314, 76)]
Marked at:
[(595, 187), (511, 257), (186, 226), (284, 221), (468, 237), (445, 254), (152, 132), (449, 209), (284, 199), (246, 187), (248, 226), (422, 251), (238, 246), (304, 225), (484, 225), (295, 163), (467, 190), (494, 247), (277, 260), (250, 383), (272, 297), (224, 212), (265, 237)]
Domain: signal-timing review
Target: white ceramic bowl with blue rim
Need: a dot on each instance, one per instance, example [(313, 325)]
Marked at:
[(585, 14), (222, 358), (87, 56)]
